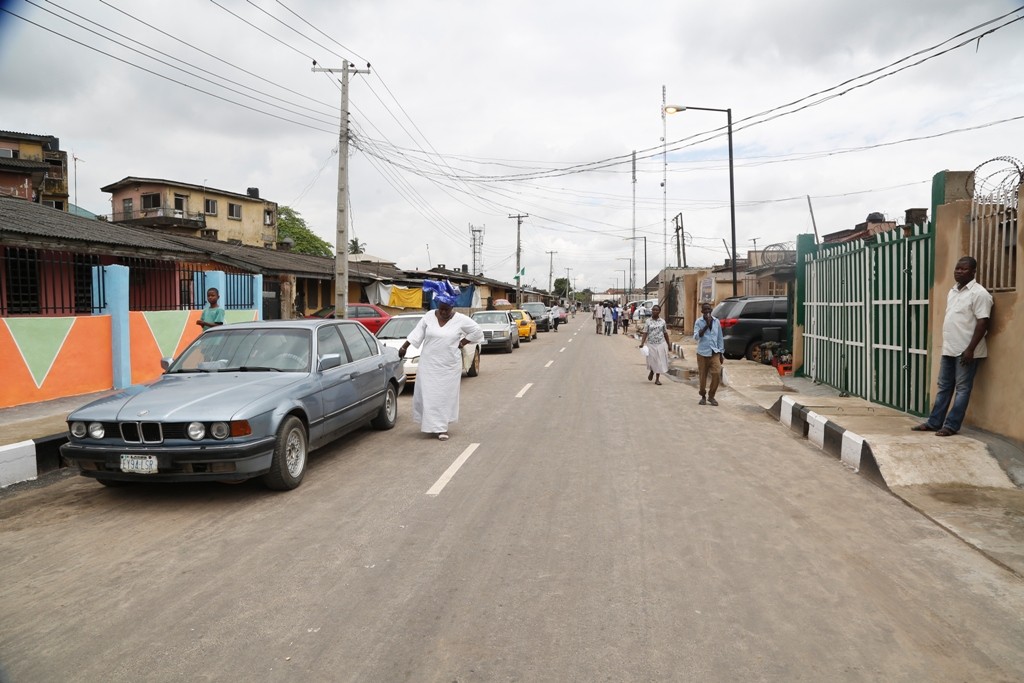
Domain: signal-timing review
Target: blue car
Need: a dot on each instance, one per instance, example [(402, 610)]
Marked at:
[(242, 401)]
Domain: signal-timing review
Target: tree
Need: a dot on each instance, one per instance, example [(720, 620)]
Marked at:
[(356, 247), (291, 224)]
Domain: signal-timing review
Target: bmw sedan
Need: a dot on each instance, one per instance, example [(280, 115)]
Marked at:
[(242, 401)]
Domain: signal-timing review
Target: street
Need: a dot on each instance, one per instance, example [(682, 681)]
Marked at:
[(599, 528)]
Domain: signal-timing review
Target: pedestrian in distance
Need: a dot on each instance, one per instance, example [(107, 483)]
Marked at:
[(707, 330), (968, 308), (213, 314), (656, 338), (598, 318), (440, 334), (624, 320), (608, 318)]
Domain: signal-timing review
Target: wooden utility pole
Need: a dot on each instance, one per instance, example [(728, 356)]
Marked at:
[(519, 254), (341, 240)]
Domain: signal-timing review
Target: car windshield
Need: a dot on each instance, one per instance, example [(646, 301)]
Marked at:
[(491, 318), (397, 328), (248, 350), (534, 309), (324, 312)]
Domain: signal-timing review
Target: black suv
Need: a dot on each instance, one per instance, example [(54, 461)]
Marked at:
[(538, 312), (748, 321)]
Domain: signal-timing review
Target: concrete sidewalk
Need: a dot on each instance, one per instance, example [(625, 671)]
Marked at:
[(971, 484), (31, 434)]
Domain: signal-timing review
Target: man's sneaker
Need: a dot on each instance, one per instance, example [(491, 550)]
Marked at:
[(702, 402), (712, 401)]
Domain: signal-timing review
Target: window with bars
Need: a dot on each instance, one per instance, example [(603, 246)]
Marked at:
[(43, 282)]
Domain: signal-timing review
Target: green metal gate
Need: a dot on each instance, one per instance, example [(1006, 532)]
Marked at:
[(865, 310)]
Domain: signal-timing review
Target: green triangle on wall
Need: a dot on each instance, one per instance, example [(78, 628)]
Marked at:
[(167, 328), (39, 340)]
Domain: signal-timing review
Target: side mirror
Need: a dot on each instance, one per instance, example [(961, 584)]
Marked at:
[(165, 363), (329, 360)]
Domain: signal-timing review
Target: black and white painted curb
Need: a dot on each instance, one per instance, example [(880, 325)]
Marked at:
[(850, 448), (26, 460)]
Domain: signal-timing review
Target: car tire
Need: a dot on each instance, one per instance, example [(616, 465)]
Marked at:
[(388, 413), (754, 351), (291, 451), (474, 367), (511, 345), (535, 334)]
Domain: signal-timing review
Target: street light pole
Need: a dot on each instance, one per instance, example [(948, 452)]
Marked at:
[(674, 108), (622, 293), (630, 286)]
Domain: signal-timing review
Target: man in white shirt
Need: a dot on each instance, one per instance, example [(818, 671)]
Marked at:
[(598, 318), (968, 307)]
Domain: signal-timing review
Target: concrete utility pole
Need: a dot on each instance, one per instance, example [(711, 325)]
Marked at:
[(632, 255), (341, 240), (680, 240), (567, 282), (519, 254), (551, 268)]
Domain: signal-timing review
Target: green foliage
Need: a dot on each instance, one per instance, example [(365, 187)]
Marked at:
[(356, 247), (559, 286), (291, 224)]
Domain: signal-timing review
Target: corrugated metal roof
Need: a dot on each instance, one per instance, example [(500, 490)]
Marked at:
[(28, 219)]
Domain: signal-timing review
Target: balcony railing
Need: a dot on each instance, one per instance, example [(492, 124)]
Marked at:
[(165, 215)]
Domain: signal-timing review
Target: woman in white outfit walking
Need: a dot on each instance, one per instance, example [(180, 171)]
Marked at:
[(440, 334), (656, 338)]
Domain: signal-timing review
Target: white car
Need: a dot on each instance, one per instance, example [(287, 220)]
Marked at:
[(394, 332)]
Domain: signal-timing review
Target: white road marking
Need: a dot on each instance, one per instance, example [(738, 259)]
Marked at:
[(570, 341), (561, 349), (524, 390), (452, 469), (548, 364)]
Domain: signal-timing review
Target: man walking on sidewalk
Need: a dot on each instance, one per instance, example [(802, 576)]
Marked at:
[(710, 353), (968, 307)]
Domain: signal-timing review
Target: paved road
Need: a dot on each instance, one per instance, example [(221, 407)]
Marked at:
[(603, 528)]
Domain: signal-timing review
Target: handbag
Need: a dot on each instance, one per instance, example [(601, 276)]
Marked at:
[(646, 351)]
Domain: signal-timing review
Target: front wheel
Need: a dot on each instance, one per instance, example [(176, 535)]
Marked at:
[(290, 452), (388, 413), (474, 368), (508, 349)]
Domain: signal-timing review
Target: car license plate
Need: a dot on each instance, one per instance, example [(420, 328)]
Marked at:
[(139, 464)]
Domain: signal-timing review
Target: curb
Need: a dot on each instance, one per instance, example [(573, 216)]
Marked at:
[(851, 449), (26, 460)]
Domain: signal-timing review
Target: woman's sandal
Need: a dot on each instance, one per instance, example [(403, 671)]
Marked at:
[(945, 432), (923, 427), (442, 437), (658, 382)]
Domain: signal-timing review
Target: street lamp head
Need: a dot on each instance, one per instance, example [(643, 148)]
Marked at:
[(674, 108)]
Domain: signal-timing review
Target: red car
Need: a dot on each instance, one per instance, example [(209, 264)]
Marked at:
[(371, 316)]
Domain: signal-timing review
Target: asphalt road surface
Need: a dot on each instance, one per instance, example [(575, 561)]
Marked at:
[(582, 524)]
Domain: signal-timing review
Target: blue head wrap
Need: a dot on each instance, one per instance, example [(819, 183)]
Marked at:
[(444, 292)]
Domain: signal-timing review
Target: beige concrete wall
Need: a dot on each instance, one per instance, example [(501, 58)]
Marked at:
[(995, 401)]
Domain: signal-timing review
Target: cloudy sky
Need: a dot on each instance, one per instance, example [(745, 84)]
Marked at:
[(477, 110)]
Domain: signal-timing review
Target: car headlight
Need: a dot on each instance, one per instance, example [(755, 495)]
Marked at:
[(196, 430), (220, 430), (78, 429), (96, 430), (501, 334)]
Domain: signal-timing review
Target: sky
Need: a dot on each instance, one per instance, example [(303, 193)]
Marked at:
[(474, 112)]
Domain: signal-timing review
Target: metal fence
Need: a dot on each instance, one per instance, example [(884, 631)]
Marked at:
[(39, 282), (995, 222), (45, 282), (866, 317)]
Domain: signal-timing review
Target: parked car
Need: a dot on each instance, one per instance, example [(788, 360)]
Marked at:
[(394, 332), (745, 320), (525, 322), (539, 312), (244, 400), (500, 330), (370, 315)]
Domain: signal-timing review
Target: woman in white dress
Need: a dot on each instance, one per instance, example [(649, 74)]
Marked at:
[(656, 339), (440, 334)]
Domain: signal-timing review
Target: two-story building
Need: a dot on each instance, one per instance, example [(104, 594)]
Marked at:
[(194, 210), (33, 167)]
